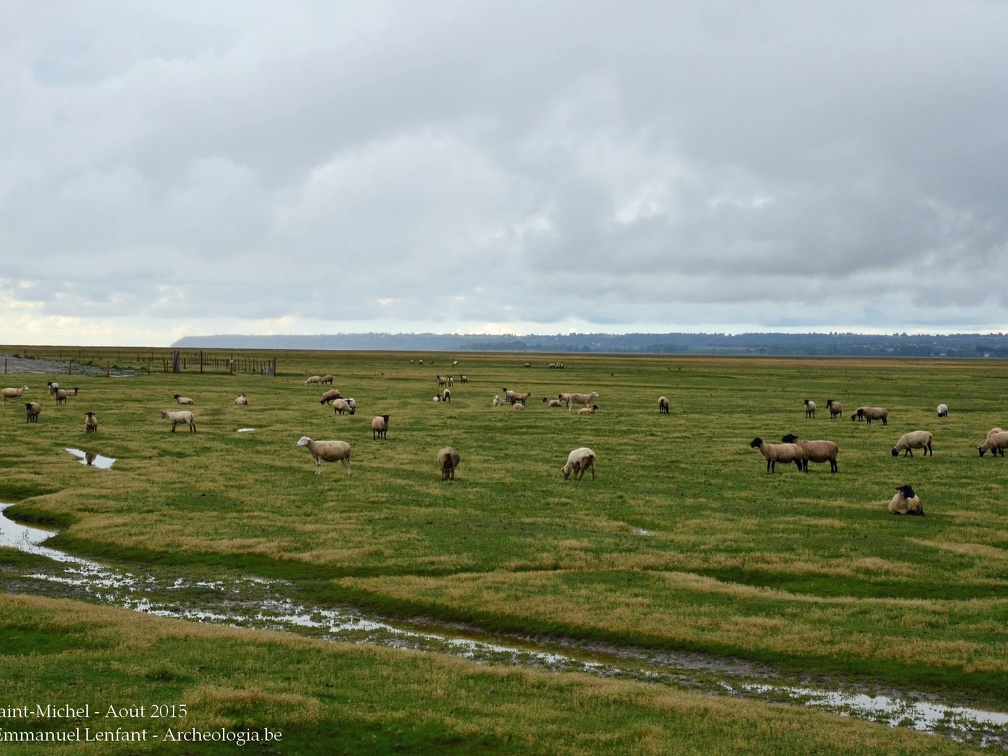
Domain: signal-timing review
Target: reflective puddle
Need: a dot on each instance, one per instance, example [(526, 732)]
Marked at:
[(262, 604), (93, 460)]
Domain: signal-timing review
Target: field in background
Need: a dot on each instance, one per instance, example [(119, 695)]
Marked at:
[(682, 542)]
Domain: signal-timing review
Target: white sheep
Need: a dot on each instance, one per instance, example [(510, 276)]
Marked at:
[(906, 502), (61, 396), (326, 379), (497, 401), (53, 387), (809, 408), (183, 400), (446, 395), (313, 380), (518, 406), (584, 399), (12, 393), (552, 402), (327, 451), (815, 451), (774, 453), (330, 395), (90, 423), (32, 409), (342, 405), (379, 426), (942, 410), (463, 379), (588, 410), (448, 459), (442, 380), (72, 391), (663, 405), (180, 416), (242, 400), (578, 461), (835, 409), (919, 439), (997, 440), (871, 413)]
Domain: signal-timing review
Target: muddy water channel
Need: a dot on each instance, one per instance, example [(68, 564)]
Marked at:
[(246, 601)]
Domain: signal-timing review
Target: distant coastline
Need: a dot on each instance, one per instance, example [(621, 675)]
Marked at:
[(959, 346)]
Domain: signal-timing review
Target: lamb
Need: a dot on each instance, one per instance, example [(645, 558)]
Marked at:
[(663, 405), (329, 395), (33, 409), (448, 459), (552, 402), (588, 410), (919, 439), (942, 410), (12, 393), (809, 408), (997, 441), (497, 401), (379, 427), (835, 409), (180, 416), (183, 400), (814, 451), (518, 406), (242, 400), (871, 413), (342, 405), (313, 380), (578, 461), (90, 423), (584, 399), (906, 502), (327, 451), (774, 453)]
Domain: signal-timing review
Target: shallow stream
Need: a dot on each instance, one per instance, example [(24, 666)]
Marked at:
[(263, 604)]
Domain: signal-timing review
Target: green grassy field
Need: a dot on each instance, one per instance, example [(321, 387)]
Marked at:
[(682, 542)]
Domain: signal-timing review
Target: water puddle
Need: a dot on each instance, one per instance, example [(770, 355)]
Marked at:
[(93, 460), (245, 430), (265, 604)]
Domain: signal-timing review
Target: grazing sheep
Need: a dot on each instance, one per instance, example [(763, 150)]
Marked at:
[(342, 405), (809, 408), (913, 440), (180, 416), (774, 453), (906, 502), (442, 380), (327, 451), (814, 451), (588, 410), (313, 380), (242, 400), (446, 395), (353, 404), (463, 379), (61, 396), (90, 423), (448, 459), (942, 410), (53, 387), (871, 413), (663, 405), (183, 400), (33, 409), (835, 409), (330, 395), (552, 402), (379, 427), (584, 399), (578, 461), (996, 440), (12, 393), (326, 379)]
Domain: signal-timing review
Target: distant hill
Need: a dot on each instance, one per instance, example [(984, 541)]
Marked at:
[(993, 345)]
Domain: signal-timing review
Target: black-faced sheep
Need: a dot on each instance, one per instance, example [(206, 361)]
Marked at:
[(578, 461), (997, 440), (53, 387), (906, 502), (61, 396), (871, 413), (588, 410), (663, 405), (90, 423), (552, 402), (774, 453), (809, 408), (448, 459), (342, 405), (242, 400), (12, 393), (32, 409), (584, 399), (327, 451), (379, 427), (183, 399), (835, 409), (180, 416), (913, 440), (330, 395), (814, 451)]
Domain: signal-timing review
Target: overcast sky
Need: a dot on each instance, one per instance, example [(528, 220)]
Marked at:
[(190, 168)]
